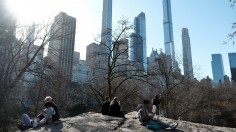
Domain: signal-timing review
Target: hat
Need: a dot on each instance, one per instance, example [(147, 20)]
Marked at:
[(48, 99)]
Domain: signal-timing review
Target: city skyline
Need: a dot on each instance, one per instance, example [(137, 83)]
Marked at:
[(209, 28)]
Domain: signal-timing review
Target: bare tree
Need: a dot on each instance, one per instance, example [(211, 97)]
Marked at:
[(115, 69), (168, 79)]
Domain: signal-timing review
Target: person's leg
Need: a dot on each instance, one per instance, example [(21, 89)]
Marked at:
[(26, 120), (162, 124)]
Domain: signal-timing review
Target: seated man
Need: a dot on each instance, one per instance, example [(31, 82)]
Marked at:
[(145, 118), (106, 106)]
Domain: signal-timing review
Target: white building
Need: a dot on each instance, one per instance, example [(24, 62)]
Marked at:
[(61, 46)]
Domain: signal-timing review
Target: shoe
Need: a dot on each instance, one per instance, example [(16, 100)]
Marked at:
[(174, 126), (22, 127)]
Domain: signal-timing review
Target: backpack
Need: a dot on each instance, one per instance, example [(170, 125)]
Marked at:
[(155, 102)]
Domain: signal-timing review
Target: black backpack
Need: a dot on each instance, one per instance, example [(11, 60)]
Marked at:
[(155, 102)]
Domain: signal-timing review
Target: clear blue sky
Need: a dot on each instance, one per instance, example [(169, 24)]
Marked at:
[(208, 22)]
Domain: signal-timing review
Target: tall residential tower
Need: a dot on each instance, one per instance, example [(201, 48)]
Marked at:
[(106, 38), (187, 55), (138, 50), (61, 47), (168, 29), (217, 68)]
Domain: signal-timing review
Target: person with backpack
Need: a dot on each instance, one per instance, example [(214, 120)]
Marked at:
[(115, 108), (156, 103), (55, 117), (162, 105), (47, 115), (106, 106)]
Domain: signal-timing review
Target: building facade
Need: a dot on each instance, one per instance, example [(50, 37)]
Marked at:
[(232, 62), (187, 55), (168, 29), (96, 60), (217, 68), (106, 38), (138, 47), (76, 58), (61, 46), (81, 72)]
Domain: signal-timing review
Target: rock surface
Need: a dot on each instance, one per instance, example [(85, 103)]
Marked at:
[(95, 122)]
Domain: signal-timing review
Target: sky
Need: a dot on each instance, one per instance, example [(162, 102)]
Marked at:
[(208, 22)]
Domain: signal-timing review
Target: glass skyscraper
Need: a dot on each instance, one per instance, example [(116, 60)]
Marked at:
[(217, 68), (138, 48), (106, 24), (187, 55), (168, 29), (232, 62)]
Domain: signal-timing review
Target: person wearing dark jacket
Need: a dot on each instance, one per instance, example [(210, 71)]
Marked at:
[(115, 108), (56, 116), (156, 103), (106, 106)]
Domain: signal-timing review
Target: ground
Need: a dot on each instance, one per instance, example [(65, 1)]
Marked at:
[(96, 122)]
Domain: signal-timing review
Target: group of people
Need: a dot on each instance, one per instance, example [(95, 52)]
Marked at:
[(158, 102), (48, 115), (147, 117), (112, 108)]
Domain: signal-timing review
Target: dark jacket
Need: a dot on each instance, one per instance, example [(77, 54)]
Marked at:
[(55, 117), (115, 110), (106, 108)]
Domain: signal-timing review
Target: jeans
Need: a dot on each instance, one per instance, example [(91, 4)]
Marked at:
[(26, 120), (158, 122)]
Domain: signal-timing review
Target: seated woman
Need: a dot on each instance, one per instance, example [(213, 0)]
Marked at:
[(115, 108), (47, 113), (145, 118)]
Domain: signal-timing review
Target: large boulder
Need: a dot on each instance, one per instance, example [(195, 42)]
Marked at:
[(95, 122)]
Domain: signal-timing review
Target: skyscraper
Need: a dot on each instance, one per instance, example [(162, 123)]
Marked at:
[(217, 68), (138, 48), (187, 55), (168, 29), (61, 46), (7, 22), (106, 24), (232, 62)]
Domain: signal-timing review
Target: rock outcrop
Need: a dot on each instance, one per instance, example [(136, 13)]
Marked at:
[(95, 122)]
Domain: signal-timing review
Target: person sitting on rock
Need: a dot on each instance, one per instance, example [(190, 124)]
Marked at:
[(156, 103), (55, 117), (145, 118), (106, 106), (47, 114), (115, 108)]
